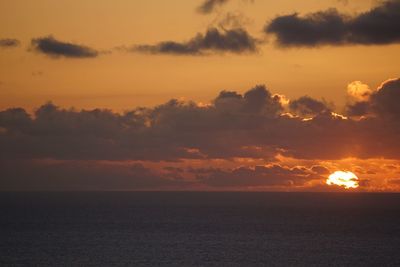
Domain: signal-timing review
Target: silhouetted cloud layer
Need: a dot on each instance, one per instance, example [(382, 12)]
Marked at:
[(102, 175), (8, 42), (253, 125), (55, 48), (380, 25), (213, 41), (273, 175), (100, 149)]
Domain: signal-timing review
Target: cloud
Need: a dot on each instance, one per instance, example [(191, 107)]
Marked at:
[(357, 109), (55, 48), (378, 26), (47, 174), (231, 20), (383, 102), (8, 42), (358, 90), (213, 41), (256, 100), (307, 106), (208, 6), (319, 170), (273, 175)]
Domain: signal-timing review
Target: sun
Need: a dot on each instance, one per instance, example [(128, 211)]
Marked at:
[(343, 178)]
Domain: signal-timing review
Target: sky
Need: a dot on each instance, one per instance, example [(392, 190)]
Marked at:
[(252, 95)]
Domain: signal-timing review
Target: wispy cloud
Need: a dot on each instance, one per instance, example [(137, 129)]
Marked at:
[(8, 42), (208, 6)]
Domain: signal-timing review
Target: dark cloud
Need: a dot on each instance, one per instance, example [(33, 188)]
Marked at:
[(249, 125), (358, 108), (213, 41), (55, 48), (9, 42), (321, 170), (325, 27), (257, 100), (102, 175), (307, 106), (380, 25), (385, 101), (274, 175), (208, 6)]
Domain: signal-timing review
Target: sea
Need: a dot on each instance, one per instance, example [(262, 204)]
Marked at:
[(199, 229)]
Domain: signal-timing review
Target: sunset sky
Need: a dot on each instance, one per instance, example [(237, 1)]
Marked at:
[(199, 94)]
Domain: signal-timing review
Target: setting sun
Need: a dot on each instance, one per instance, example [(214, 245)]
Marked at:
[(199, 133), (346, 179)]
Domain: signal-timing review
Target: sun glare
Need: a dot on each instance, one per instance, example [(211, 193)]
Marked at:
[(346, 179)]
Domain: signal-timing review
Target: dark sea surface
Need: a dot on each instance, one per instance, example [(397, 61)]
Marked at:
[(199, 229)]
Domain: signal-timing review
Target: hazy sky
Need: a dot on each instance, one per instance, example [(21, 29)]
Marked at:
[(330, 70)]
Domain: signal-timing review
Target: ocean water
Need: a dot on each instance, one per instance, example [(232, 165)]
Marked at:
[(199, 229)]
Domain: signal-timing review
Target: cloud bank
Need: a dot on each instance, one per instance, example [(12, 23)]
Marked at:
[(272, 175), (253, 125), (55, 48), (98, 149), (378, 26)]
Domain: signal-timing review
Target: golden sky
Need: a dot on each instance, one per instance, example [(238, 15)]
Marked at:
[(121, 80)]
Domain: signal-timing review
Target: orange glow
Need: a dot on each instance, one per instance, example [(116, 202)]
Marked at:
[(346, 179)]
